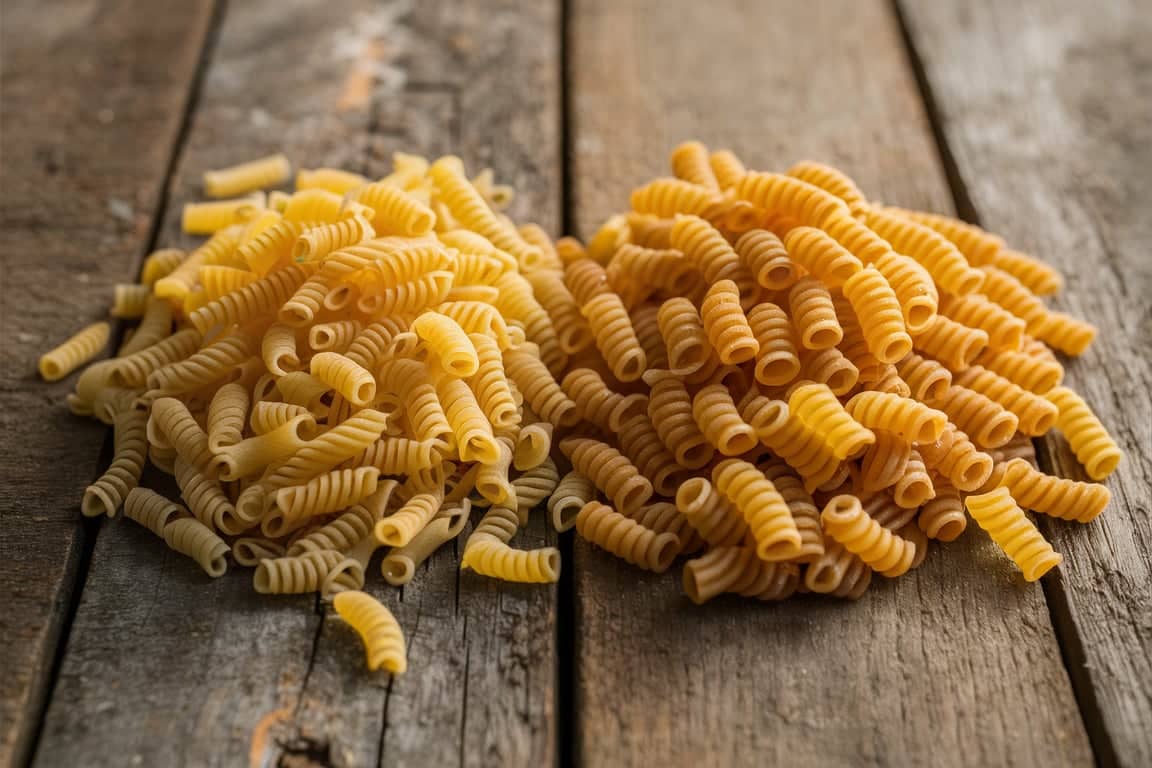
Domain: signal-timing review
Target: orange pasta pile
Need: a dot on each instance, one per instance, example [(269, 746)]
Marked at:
[(764, 373)]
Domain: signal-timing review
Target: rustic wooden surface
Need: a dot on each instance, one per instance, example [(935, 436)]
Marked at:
[(167, 667), (954, 664), (92, 106), (1046, 113), (1041, 121)]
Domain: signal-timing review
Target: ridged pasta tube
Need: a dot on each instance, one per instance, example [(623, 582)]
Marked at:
[(270, 171), (534, 486), (475, 440), (571, 494), (1035, 414), (1033, 274), (540, 389), (845, 521), (716, 520), (1013, 532), (684, 336), (821, 411), (254, 454), (155, 326), (762, 254), (953, 344), (171, 425), (720, 421), (449, 342), (73, 353), (641, 445), (668, 268), (206, 499), (378, 629), (609, 470), (689, 161), (977, 245), (614, 336), (399, 565), (295, 575), (805, 513), (339, 535), (666, 197), (726, 325), (329, 492), (838, 572), (914, 289), (191, 537), (942, 517), (764, 509), (955, 457), (885, 461), (130, 448), (914, 487), (926, 378), (353, 382), (705, 247), (489, 554), (209, 364), (399, 528), (738, 570), (777, 360), (791, 198), (831, 180), (1054, 496), (988, 422), (821, 255), (878, 311), (152, 510), (670, 409), (664, 517), (258, 299), (814, 315), (1034, 374), (160, 263), (939, 256), (1005, 330), (625, 538), (227, 412), (908, 418)]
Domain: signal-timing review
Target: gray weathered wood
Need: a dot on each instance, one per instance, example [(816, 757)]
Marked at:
[(171, 669), (93, 98), (954, 664), (1045, 109)]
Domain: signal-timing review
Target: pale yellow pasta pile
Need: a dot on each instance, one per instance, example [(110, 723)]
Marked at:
[(766, 373)]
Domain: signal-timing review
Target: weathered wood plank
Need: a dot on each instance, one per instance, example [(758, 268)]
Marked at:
[(187, 671), (1045, 110), (954, 664), (93, 100)]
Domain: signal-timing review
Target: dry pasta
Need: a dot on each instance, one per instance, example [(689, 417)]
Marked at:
[(766, 371)]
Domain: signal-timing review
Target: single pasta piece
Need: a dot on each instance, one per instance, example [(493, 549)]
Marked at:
[(878, 311), (955, 457), (727, 327), (641, 445), (353, 382), (625, 538), (614, 336), (1013, 532), (885, 461), (762, 254), (1093, 446), (913, 488), (1005, 330), (395, 211), (161, 263), (533, 486), (1035, 414), (926, 378), (1012, 295), (572, 330), (689, 162), (609, 471), (208, 218), (646, 323), (777, 360), (336, 336), (910, 419), (664, 517), (586, 280), (1066, 333), (1034, 374), (705, 247), (830, 367), (192, 538), (1054, 496), (540, 389), (490, 384), (935, 252), (206, 499), (818, 408), (596, 403), (271, 171), (152, 510), (667, 269), (329, 492), (399, 565), (669, 197), (208, 365), (378, 629), (942, 517), (130, 448), (571, 494), (671, 411), (400, 528), (727, 167), (74, 352), (821, 255), (475, 440), (1033, 274), (155, 326), (814, 315), (738, 570), (789, 438), (790, 197), (800, 503), (953, 344), (978, 246), (989, 423), (720, 422), (764, 509), (170, 424), (845, 521), (831, 180), (492, 481), (339, 535), (487, 552), (917, 294), (684, 336), (838, 572)]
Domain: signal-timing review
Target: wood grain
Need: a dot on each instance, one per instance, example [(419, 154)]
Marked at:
[(92, 106), (955, 664), (1045, 111), (169, 669)]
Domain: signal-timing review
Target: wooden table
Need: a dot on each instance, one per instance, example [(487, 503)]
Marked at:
[(1029, 117)]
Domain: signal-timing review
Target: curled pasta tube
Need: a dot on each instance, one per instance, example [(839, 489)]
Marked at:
[(399, 566), (378, 629)]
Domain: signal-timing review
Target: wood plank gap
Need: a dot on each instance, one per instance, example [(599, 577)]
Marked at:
[(1055, 596)]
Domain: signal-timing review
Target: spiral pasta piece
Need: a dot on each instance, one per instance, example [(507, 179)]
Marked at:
[(257, 299), (129, 300), (664, 517), (1035, 414), (449, 342), (572, 331), (295, 575), (130, 448), (641, 445), (399, 566), (667, 269), (572, 492), (705, 247), (914, 289), (373, 344), (814, 315), (738, 570), (818, 408), (152, 510), (378, 629), (1090, 441), (155, 326), (978, 246), (671, 412), (789, 438), (726, 325), (914, 487), (845, 521), (75, 352), (768, 516), (935, 252), (831, 180), (248, 551), (160, 263), (777, 360), (878, 311), (614, 336), (885, 462), (1008, 292), (790, 197), (667, 197), (762, 254), (490, 384), (609, 471), (342, 442), (926, 378), (200, 369), (1013, 532), (339, 535), (601, 525), (475, 440), (713, 517), (1066, 333), (206, 499), (988, 422), (838, 572), (689, 161), (821, 255), (955, 457), (720, 422), (171, 425), (399, 455), (1054, 496), (1035, 275), (395, 211), (192, 538), (942, 517), (533, 486), (1005, 330), (953, 344), (910, 419), (339, 372), (1034, 374), (329, 492), (540, 389), (399, 528), (684, 336)]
